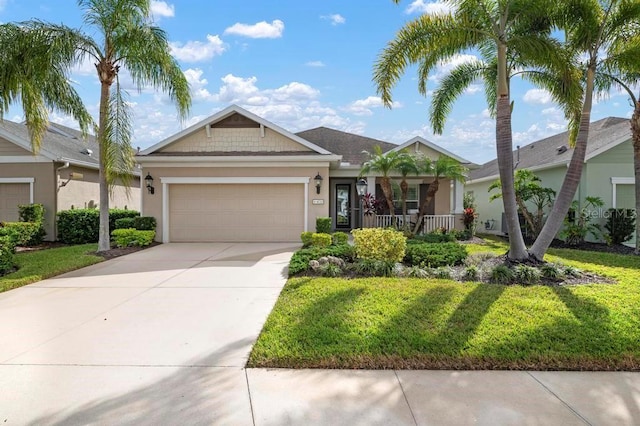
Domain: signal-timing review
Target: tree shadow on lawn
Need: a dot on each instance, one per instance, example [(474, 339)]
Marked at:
[(598, 258)]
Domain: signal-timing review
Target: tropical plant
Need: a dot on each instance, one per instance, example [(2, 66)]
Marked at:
[(621, 224), (383, 163), (34, 71), (596, 30), (578, 222), (494, 28), (406, 166), (528, 190), (443, 168), (126, 39)]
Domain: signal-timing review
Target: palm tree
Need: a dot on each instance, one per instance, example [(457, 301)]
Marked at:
[(33, 71), (406, 166), (383, 163), (442, 168), (502, 26), (127, 40), (596, 29)]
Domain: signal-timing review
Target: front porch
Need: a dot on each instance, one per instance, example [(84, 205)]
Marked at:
[(429, 223)]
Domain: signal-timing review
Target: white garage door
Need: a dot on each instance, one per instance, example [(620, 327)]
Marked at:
[(12, 194), (236, 212)]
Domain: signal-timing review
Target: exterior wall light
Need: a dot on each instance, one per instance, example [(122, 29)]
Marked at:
[(318, 181), (148, 180)]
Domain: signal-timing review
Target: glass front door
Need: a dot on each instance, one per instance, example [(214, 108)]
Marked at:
[(343, 206)]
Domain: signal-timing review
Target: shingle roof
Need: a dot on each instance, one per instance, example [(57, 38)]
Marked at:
[(348, 145), (602, 135), (61, 141)]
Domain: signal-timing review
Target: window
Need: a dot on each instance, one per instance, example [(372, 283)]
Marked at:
[(413, 195)]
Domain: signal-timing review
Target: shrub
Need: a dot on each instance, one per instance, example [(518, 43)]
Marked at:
[(7, 255), (417, 272), (124, 223), (144, 223), (306, 238), (502, 274), (550, 270), (525, 274), (479, 258), (340, 238), (435, 255), (578, 221), (330, 270), (320, 240), (81, 226), (323, 225), (300, 260), (33, 213), (471, 273), (20, 233), (443, 273), (434, 237), (374, 267), (132, 237), (571, 271), (462, 235), (379, 244), (621, 224)]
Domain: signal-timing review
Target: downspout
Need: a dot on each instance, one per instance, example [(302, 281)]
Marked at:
[(54, 237), (58, 186)]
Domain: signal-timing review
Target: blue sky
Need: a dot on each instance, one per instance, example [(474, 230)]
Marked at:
[(303, 65)]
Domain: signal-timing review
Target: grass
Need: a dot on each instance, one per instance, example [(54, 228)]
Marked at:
[(38, 265), (440, 324)]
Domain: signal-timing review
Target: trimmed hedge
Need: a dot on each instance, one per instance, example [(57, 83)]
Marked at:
[(323, 225), (435, 255), (300, 260), (132, 237), (33, 213), (20, 233), (81, 226), (379, 244), (125, 223), (320, 240), (306, 239), (144, 223), (7, 255), (340, 238)]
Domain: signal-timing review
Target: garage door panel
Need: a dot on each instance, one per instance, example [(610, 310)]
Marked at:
[(12, 195), (235, 212)]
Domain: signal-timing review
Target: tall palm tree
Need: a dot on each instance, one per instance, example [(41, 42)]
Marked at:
[(594, 28), (443, 168), (406, 166), (126, 39), (33, 71), (503, 26), (384, 164)]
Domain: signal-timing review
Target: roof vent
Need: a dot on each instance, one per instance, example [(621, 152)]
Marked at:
[(87, 151), (561, 149)]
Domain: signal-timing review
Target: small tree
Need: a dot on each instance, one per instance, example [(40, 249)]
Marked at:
[(406, 165), (621, 224), (383, 163), (529, 191)]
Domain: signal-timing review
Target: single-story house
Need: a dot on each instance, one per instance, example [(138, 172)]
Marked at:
[(607, 173), (238, 177), (63, 175)]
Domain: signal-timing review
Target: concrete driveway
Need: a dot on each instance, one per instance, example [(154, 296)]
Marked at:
[(156, 337)]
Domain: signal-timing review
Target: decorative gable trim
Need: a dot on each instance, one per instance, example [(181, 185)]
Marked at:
[(428, 144)]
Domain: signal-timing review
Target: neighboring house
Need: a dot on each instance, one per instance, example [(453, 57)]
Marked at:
[(607, 173), (63, 175), (237, 177)]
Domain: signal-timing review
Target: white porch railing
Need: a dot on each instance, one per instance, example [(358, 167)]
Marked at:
[(430, 222)]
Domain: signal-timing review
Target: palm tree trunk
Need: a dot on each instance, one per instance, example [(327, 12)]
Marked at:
[(103, 235), (504, 149), (572, 178), (404, 188), (635, 132), (385, 183), (431, 192)]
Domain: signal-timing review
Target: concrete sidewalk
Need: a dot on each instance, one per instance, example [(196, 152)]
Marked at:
[(161, 337)]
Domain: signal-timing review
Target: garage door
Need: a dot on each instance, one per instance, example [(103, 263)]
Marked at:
[(12, 194), (236, 212)]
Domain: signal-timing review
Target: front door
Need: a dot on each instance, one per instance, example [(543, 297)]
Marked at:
[(343, 206)]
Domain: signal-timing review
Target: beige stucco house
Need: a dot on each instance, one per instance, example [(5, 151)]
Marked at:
[(238, 177), (61, 176)]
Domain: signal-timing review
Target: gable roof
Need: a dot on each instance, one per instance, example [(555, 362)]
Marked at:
[(348, 145), (221, 115), (431, 145), (60, 143), (604, 134)]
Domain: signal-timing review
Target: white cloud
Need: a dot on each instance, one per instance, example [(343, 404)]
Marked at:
[(364, 106), (473, 89), (262, 29), (428, 7), (162, 9), (537, 96), (198, 85), (197, 51), (444, 68), (316, 64), (335, 19)]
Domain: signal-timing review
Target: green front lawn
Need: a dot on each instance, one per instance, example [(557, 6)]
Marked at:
[(38, 265), (428, 323)]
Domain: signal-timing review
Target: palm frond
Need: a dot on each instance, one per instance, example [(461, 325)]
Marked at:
[(117, 152)]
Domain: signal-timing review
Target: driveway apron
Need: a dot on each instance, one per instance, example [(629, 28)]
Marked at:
[(126, 340)]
